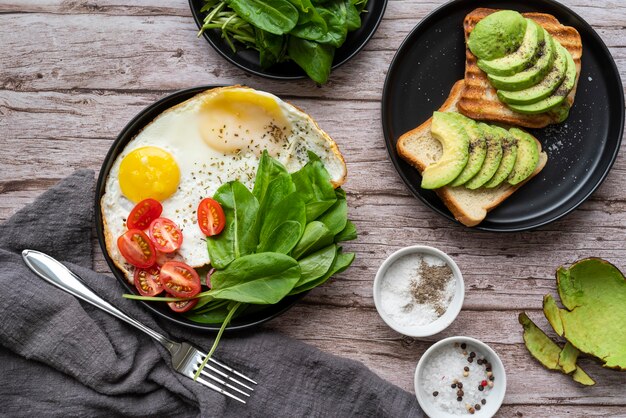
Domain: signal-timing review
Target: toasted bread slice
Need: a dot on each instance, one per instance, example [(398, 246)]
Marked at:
[(479, 99), (470, 207)]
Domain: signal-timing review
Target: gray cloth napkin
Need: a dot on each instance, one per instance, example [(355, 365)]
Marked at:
[(62, 357)]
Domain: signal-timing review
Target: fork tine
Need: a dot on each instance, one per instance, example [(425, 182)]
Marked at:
[(218, 389), (222, 382), (230, 369), (221, 373)]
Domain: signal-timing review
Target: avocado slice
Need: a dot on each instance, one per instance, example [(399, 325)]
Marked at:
[(530, 76), (546, 351), (509, 156), (527, 156), (492, 159), (447, 129), (561, 112), (544, 89), (477, 150), (557, 97), (497, 35), (522, 58)]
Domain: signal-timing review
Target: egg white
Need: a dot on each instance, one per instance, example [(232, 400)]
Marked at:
[(203, 169)]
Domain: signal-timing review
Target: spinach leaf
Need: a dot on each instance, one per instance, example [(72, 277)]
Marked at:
[(308, 13), (278, 189), (336, 217), (268, 170), (353, 16), (263, 278), (274, 16), (284, 222), (316, 235), (335, 14), (311, 25), (239, 237), (271, 47), (313, 184), (316, 265), (215, 316), (314, 58), (342, 261), (347, 234), (359, 4)]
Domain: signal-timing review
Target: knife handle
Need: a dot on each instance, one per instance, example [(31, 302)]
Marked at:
[(55, 273)]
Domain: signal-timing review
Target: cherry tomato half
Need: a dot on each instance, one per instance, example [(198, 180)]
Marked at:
[(211, 217), (137, 248), (148, 282), (143, 214), (179, 279), (183, 305), (165, 235)]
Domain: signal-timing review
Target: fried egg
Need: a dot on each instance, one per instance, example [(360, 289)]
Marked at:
[(187, 152)]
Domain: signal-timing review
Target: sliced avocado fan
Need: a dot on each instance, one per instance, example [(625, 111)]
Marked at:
[(477, 150), (530, 76), (544, 88), (492, 160), (558, 96), (447, 129), (522, 58), (509, 156), (527, 156)]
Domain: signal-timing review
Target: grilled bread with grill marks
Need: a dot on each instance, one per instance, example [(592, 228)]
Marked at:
[(479, 99)]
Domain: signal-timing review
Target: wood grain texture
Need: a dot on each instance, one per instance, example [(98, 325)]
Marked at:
[(74, 72)]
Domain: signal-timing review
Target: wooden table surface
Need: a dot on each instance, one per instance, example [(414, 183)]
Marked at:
[(74, 72)]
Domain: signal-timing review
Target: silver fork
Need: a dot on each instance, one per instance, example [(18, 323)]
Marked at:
[(185, 358)]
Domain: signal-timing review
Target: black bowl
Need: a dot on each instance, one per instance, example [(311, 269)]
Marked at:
[(248, 59), (581, 151), (251, 317)]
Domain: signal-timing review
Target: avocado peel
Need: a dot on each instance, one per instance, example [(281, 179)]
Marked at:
[(551, 311), (593, 291), (548, 353), (568, 357)]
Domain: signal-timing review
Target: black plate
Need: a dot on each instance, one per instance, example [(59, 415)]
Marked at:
[(580, 151), (248, 59), (254, 315)]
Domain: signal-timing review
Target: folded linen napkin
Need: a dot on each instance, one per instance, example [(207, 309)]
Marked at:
[(63, 357)]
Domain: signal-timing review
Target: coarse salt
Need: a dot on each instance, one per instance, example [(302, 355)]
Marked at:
[(411, 298)]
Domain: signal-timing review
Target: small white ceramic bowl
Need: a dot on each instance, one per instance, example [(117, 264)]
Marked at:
[(444, 320), (496, 395)]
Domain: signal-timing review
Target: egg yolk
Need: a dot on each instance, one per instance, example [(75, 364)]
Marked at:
[(237, 120), (148, 172)]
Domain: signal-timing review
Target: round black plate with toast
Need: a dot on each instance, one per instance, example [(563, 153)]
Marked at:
[(581, 151), (248, 59), (252, 316)]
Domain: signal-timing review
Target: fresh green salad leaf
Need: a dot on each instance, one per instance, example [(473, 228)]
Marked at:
[(274, 16), (316, 265), (283, 226), (269, 169), (240, 236), (313, 183), (336, 217), (314, 58), (347, 234), (304, 31), (263, 278), (316, 235), (342, 261)]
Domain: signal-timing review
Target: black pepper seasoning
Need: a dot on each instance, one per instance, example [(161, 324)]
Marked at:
[(466, 368), (459, 385), (435, 393), (484, 401), (463, 346), (477, 406), (453, 386), (481, 388), (459, 399), (470, 360)]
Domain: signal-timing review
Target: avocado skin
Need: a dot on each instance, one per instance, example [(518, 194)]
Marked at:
[(522, 58), (509, 155), (544, 89), (492, 160), (477, 150), (557, 97), (527, 157), (533, 75), (497, 35), (448, 130)]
